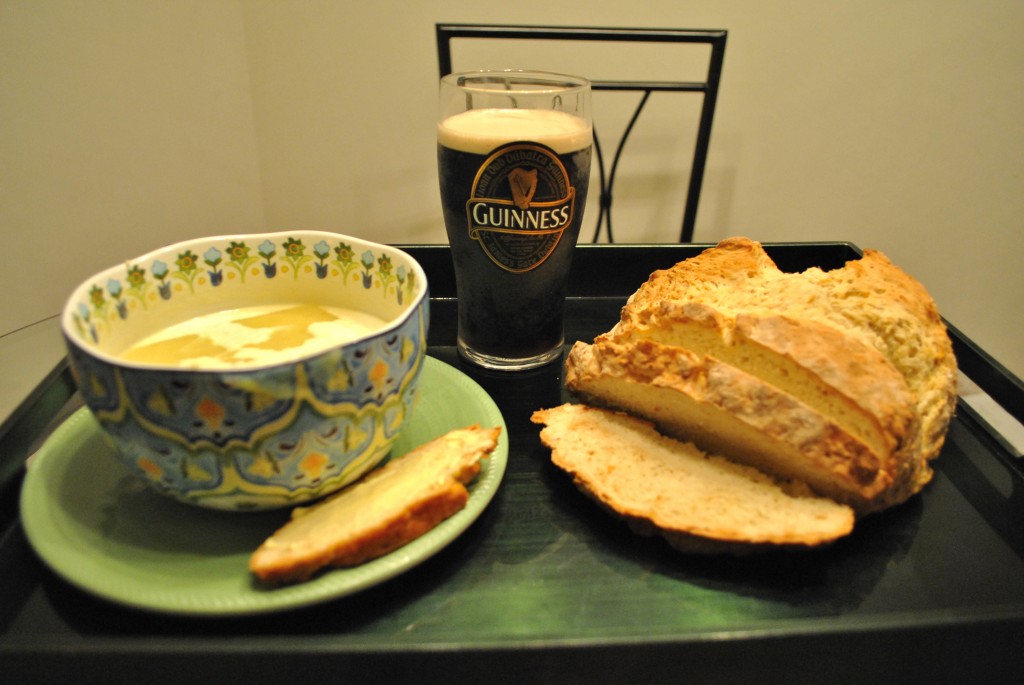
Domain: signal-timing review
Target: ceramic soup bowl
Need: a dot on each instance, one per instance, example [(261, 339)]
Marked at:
[(246, 430)]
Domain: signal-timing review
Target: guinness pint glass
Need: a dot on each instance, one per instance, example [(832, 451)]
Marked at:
[(513, 155)]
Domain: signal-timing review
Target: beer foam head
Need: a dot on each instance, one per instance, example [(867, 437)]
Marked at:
[(482, 130)]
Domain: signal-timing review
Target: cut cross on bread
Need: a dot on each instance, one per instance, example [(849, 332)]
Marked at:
[(385, 510), (842, 381)]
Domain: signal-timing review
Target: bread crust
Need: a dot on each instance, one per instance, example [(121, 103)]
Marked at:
[(873, 293), (729, 264)]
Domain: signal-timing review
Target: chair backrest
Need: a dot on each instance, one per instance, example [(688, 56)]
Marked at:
[(446, 33)]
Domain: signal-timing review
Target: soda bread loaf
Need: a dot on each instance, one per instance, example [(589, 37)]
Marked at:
[(388, 508), (843, 379), (699, 503)]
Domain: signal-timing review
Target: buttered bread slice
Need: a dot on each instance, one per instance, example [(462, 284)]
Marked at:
[(390, 507), (697, 502)]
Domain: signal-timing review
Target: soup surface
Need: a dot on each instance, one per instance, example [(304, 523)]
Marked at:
[(252, 336)]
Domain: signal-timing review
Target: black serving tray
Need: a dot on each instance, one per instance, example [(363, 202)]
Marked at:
[(545, 587)]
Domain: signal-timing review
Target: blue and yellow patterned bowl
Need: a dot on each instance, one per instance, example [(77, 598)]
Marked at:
[(252, 436)]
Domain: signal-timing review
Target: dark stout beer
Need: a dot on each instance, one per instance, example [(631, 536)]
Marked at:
[(513, 187)]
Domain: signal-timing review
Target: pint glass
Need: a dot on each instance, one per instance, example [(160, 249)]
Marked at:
[(513, 155)]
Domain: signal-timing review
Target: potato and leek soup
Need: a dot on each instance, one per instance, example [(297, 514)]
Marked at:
[(258, 335)]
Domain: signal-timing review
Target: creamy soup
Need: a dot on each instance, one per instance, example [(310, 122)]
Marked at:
[(252, 336)]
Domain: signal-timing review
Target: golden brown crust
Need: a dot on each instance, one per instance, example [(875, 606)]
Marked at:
[(902, 314), (730, 263)]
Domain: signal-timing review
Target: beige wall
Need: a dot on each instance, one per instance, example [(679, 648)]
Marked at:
[(128, 124)]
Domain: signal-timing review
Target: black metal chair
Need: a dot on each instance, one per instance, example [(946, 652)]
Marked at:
[(446, 33)]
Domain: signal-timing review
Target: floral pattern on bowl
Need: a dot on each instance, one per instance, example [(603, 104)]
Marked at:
[(110, 300)]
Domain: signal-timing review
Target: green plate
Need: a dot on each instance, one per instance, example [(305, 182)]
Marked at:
[(105, 532)]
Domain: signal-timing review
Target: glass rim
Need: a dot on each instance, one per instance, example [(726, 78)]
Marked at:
[(514, 80)]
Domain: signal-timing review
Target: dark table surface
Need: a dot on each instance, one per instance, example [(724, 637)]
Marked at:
[(545, 587)]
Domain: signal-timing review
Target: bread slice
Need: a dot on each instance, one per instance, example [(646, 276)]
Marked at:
[(698, 502), (818, 364), (727, 411), (390, 507)]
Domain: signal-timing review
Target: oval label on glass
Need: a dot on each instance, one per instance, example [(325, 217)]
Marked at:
[(520, 205)]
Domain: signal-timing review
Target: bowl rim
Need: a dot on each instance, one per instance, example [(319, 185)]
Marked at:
[(69, 310)]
